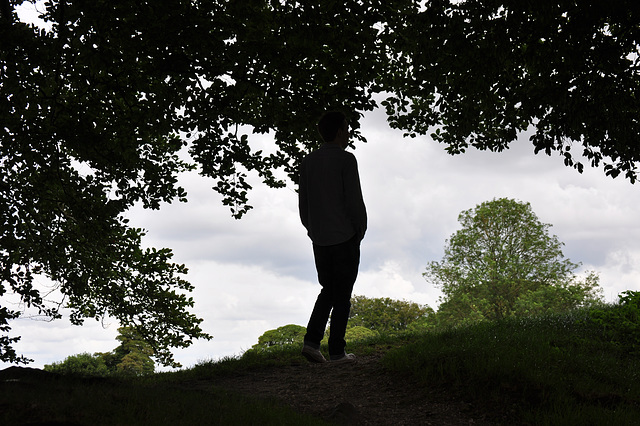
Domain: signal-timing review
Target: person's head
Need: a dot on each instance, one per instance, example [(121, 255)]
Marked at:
[(333, 128)]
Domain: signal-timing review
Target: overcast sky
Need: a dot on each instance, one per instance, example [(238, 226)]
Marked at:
[(257, 273)]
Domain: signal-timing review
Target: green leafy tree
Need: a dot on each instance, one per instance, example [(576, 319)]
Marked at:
[(503, 262), (135, 364), (83, 364), (476, 73), (385, 314), (281, 336), (562, 297), (133, 355), (95, 110)]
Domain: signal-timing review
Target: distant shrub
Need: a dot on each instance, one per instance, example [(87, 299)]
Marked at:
[(358, 332), (131, 358), (282, 336), (83, 364)]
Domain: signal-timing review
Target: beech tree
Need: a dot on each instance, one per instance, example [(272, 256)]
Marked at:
[(96, 108), (503, 262)]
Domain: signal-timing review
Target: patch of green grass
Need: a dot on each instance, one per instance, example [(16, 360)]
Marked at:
[(552, 370)]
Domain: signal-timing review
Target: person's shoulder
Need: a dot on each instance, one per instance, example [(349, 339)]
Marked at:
[(320, 151), (339, 151), (349, 156), (326, 151), (311, 156), (345, 158)]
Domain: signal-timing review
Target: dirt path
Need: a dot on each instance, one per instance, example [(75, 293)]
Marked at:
[(360, 394)]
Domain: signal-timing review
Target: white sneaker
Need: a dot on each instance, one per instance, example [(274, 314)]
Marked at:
[(313, 355), (345, 359)]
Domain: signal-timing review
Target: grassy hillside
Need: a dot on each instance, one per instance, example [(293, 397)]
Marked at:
[(556, 370)]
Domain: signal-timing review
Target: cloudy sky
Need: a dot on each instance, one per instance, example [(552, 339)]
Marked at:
[(257, 273)]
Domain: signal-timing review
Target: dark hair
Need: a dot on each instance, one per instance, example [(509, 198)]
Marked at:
[(329, 125)]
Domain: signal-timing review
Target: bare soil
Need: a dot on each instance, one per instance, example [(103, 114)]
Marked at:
[(359, 394)]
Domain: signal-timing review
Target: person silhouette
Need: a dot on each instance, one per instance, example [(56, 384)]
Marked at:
[(333, 212)]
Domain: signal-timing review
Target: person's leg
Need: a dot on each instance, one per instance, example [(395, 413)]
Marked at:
[(322, 308), (318, 320), (345, 270)]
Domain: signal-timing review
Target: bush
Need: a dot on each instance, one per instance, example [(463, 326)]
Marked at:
[(83, 364), (621, 322), (358, 333)]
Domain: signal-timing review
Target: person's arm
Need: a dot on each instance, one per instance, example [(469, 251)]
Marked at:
[(356, 209), (303, 203)]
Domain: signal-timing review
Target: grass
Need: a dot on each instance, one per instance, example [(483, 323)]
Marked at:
[(554, 370)]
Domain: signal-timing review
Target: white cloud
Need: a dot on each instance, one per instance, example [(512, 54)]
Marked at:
[(48, 342), (30, 12), (392, 280), (619, 272)]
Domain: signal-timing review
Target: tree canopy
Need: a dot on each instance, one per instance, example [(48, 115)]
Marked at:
[(503, 262), (480, 72), (97, 110)]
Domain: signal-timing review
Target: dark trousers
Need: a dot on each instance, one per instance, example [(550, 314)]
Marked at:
[(337, 268)]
